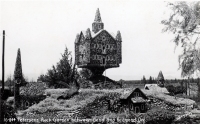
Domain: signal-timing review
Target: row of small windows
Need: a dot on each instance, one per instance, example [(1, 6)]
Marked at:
[(137, 108), (136, 94), (108, 46), (99, 57)]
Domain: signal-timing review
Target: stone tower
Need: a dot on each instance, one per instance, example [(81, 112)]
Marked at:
[(97, 25), (18, 79), (98, 50)]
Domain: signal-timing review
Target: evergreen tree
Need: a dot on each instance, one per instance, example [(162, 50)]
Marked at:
[(144, 80), (150, 80), (63, 74)]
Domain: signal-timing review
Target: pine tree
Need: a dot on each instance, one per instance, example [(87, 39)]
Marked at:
[(144, 80), (150, 80), (63, 74)]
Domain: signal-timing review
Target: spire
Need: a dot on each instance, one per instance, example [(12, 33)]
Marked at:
[(118, 36), (88, 34), (160, 76), (97, 16), (77, 38), (18, 66), (97, 25)]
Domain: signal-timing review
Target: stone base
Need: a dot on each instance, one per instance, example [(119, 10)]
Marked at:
[(103, 82)]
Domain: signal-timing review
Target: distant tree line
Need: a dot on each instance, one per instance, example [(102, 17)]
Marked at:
[(151, 80)]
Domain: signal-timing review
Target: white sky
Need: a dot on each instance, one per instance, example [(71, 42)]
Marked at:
[(42, 29)]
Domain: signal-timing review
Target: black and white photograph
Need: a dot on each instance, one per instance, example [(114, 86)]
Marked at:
[(99, 62)]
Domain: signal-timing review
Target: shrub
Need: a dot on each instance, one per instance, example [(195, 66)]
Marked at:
[(33, 88), (9, 112), (159, 116), (175, 90)]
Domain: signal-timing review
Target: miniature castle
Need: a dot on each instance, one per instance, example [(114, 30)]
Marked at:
[(98, 50)]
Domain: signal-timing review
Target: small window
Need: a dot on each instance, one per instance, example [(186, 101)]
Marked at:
[(135, 94), (26, 104), (107, 57), (142, 106), (99, 26), (103, 38), (131, 106)]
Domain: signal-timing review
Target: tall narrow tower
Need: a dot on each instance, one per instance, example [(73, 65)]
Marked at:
[(18, 79), (97, 25)]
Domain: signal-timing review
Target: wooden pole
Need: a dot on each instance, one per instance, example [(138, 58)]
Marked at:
[(2, 89), (189, 85)]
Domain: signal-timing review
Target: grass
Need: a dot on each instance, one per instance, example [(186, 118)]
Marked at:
[(171, 99), (51, 104), (33, 88), (88, 103)]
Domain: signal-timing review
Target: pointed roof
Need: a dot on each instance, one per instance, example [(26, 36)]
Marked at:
[(18, 66), (93, 35), (97, 16), (77, 38), (88, 34), (160, 76), (126, 94), (118, 36), (155, 88)]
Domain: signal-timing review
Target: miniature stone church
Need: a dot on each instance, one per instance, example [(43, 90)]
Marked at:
[(98, 50)]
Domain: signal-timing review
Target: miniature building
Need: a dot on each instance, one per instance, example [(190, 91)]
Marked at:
[(160, 79), (98, 49), (135, 100), (155, 88)]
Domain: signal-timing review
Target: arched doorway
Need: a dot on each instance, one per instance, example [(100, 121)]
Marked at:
[(137, 109)]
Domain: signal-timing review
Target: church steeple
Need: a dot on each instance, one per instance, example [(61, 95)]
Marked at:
[(97, 24), (97, 16)]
